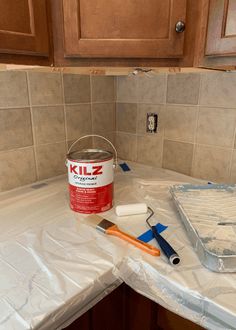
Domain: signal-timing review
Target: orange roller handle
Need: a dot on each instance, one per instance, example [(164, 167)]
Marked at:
[(115, 231)]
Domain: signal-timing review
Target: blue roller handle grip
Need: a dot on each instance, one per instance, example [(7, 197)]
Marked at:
[(166, 248)]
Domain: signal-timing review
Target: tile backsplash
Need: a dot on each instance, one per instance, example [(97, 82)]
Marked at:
[(43, 113), (197, 122)]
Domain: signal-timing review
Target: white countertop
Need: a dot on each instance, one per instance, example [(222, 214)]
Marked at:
[(53, 266)]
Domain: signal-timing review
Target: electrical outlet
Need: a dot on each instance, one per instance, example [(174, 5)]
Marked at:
[(152, 122)]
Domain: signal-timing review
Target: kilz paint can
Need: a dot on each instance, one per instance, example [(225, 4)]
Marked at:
[(90, 174)]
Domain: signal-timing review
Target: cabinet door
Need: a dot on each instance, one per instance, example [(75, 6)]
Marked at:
[(221, 34), (117, 28), (23, 27)]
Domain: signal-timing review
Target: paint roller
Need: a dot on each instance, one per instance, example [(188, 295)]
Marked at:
[(142, 208)]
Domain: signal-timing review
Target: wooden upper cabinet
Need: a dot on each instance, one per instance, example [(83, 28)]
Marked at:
[(221, 34), (123, 29), (24, 27)]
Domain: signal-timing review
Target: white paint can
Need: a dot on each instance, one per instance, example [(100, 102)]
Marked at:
[(90, 174)]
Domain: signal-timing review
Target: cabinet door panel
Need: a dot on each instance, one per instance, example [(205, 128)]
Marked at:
[(23, 27), (221, 34), (134, 28)]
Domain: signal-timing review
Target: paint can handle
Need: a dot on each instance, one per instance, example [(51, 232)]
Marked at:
[(101, 137)]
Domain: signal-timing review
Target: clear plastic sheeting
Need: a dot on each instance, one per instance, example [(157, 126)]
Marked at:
[(54, 266), (52, 269)]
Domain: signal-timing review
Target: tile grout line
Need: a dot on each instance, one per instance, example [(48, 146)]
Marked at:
[(162, 136), (163, 116), (141, 103), (137, 82), (64, 111), (230, 165), (115, 109), (232, 154), (31, 146), (116, 102), (180, 141), (53, 105), (167, 75), (196, 128), (91, 109), (195, 142), (33, 126), (136, 133)]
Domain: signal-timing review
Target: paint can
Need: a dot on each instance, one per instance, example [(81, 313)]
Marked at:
[(90, 174)]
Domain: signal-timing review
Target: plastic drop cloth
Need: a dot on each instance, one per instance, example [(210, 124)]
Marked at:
[(54, 266)]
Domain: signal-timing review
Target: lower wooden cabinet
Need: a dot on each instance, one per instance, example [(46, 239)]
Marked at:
[(125, 309)]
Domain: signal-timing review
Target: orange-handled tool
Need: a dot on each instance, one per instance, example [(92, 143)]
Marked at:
[(109, 228)]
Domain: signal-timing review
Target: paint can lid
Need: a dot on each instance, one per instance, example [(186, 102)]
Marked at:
[(90, 155)]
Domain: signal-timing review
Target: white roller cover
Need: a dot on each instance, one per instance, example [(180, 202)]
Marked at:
[(131, 209)]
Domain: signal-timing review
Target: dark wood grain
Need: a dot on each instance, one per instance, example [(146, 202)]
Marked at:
[(125, 309), (167, 320), (140, 312)]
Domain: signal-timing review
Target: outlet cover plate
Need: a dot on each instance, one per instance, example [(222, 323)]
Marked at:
[(152, 122)]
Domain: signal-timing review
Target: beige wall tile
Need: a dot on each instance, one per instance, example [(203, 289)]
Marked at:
[(233, 168), (218, 89), (103, 89), (49, 124), (183, 88), (126, 145), (211, 163), (78, 120), (177, 156), (17, 168), (143, 110), (50, 160), (76, 88), (13, 89), (126, 117), (152, 89), (216, 126), (45, 88), (15, 128), (180, 123), (95, 142), (150, 150), (103, 117), (102, 144), (86, 143), (127, 89)]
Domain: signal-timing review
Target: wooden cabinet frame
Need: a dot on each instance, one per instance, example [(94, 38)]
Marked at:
[(32, 45), (75, 45), (61, 52), (218, 43), (200, 58)]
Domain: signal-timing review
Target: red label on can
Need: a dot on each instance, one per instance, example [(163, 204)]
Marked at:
[(90, 186), (91, 200)]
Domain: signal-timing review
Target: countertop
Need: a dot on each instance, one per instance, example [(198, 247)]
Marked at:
[(54, 266)]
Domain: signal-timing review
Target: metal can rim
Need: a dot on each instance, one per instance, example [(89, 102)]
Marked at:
[(109, 156)]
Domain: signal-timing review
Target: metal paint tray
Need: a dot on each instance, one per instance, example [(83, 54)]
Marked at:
[(209, 216)]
